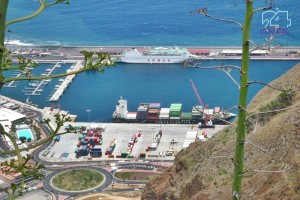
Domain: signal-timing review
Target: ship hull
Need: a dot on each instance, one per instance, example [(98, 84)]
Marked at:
[(155, 55), (223, 121), (154, 60)]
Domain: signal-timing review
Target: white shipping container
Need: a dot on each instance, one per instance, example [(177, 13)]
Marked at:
[(209, 111), (131, 115), (164, 110)]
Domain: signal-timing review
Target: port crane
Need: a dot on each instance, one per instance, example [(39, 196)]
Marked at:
[(207, 117)]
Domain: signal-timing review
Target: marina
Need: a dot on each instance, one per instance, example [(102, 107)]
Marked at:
[(36, 87), (64, 83), (13, 83)]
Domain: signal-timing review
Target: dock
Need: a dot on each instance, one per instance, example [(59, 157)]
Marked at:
[(37, 89), (13, 83), (63, 86)]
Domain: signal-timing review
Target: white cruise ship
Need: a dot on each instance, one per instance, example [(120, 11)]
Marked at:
[(161, 55)]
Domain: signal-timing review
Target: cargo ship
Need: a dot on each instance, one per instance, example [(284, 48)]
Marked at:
[(154, 113), (160, 55)]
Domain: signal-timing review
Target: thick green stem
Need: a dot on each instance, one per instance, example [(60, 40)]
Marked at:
[(3, 13), (241, 127)]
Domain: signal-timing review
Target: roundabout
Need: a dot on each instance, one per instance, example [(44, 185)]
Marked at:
[(104, 183)]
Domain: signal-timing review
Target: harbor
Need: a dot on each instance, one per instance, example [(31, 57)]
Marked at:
[(47, 54), (65, 82), (37, 86), (122, 80)]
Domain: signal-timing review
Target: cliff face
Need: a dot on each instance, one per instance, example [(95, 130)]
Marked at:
[(272, 157)]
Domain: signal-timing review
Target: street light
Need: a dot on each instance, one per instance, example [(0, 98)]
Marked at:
[(88, 111)]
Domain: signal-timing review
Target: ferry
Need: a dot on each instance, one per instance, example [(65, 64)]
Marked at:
[(161, 55), (154, 113)]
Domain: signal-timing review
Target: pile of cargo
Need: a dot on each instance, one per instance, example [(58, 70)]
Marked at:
[(142, 112), (89, 143), (111, 147), (197, 113), (131, 143), (175, 111), (164, 114), (153, 112), (155, 142)]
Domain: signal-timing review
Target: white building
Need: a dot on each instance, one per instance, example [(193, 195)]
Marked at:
[(11, 116)]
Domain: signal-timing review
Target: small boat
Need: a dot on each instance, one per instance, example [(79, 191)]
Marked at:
[(33, 84), (61, 80)]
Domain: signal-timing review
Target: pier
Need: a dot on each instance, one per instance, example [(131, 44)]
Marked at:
[(37, 89), (63, 86), (12, 83)]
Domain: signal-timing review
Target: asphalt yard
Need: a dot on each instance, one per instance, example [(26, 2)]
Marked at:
[(174, 138)]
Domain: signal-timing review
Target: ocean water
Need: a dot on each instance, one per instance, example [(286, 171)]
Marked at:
[(147, 23), (139, 83)]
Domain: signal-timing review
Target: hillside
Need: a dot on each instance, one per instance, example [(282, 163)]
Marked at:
[(272, 158)]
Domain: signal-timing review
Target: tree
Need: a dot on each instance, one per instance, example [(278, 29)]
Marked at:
[(92, 61)]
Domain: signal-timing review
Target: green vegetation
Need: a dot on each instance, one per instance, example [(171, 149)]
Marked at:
[(77, 180), (283, 100), (143, 176)]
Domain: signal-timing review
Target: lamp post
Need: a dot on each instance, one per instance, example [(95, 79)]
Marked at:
[(88, 111)]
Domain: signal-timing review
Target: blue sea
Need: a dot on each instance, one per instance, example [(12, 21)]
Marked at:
[(146, 23)]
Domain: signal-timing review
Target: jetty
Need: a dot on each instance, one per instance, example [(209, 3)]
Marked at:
[(39, 84), (66, 82)]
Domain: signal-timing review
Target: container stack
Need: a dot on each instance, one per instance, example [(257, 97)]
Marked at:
[(142, 112), (175, 111), (164, 114), (153, 112), (111, 147), (131, 143), (186, 117), (83, 150), (96, 151), (89, 142), (197, 114)]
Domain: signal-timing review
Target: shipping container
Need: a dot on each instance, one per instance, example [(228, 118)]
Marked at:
[(124, 155), (154, 105), (142, 155)]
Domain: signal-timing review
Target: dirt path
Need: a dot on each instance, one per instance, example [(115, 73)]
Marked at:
[(112, 196)]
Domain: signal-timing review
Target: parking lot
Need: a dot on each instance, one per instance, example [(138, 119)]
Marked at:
[(174, 138)]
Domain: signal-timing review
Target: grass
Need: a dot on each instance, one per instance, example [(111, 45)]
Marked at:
[(144, 176), (77, 179)]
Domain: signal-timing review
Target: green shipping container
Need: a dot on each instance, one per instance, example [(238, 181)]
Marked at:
[(186, 115), (130, 156), (124, 155)]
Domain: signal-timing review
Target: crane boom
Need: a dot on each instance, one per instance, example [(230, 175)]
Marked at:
[(197, 93)]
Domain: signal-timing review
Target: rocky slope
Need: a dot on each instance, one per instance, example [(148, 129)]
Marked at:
[(272, 157)]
